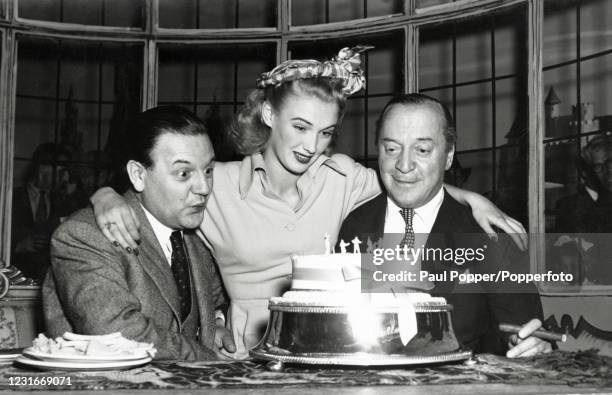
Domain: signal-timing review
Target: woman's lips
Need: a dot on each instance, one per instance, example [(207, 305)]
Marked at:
[(302, 158)]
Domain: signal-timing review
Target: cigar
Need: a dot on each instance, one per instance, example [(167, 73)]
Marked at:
[(542, 334)]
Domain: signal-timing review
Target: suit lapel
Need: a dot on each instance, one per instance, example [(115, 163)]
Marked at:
[(152, 258)]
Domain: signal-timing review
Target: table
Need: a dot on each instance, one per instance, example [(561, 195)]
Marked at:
[(557, 372)]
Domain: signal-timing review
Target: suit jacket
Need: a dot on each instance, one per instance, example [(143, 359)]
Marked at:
[(35, 264), (476, 313), (579, 213), (95, 288)]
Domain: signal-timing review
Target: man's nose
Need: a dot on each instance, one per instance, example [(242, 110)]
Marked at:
[(202, 184), (404, 161)]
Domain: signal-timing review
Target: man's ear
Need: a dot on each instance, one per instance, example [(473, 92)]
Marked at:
[(449, 158), (266, 113), (137, 173)]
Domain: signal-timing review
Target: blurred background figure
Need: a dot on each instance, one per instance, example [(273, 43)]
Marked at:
[(587, 217), (93, 171), (584, 211), (38, 207)]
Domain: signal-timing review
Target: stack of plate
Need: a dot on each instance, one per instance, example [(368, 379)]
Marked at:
[(32, 358), (8, 356)]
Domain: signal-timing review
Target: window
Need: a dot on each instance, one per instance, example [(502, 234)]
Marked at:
[(129, 13), (217, 14), (212, 81), (577, 79), (69, 131), (312, 12), (477, 67)]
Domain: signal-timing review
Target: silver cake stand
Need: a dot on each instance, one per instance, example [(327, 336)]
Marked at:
[(324, 335)]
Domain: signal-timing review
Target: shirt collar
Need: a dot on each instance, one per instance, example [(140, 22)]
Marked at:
[(592, 193), (428, 210), (162, 232), (255, 162)]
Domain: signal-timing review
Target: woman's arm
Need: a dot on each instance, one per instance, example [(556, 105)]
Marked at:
[(486, 214), (115, 218)]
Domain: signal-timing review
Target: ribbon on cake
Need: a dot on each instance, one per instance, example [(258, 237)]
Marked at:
[(406, 313)]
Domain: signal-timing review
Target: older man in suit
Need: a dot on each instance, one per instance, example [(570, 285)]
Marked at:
[(166, 291), (416, 140)]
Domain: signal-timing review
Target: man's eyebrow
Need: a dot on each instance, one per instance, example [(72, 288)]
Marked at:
[(186, 162), (181, 162), (428, 139)]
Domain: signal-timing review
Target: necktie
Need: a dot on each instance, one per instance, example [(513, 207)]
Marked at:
[(42, 212), (180, 270), (408, 239)]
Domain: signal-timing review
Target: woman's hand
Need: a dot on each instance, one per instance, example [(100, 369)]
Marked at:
[(487, 214), (116, 219)]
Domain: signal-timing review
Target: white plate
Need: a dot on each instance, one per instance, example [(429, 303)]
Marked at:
[(80, 366), (8, 358), (43, 356)]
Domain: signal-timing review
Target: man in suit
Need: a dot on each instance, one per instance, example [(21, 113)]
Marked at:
[(416, 140), (581, 214), (166, 291), (38, 207)]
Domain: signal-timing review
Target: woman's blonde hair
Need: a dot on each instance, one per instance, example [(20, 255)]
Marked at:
[(249, 134)]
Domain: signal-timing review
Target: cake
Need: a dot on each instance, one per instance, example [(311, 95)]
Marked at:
[(335, 280), (325, 318)]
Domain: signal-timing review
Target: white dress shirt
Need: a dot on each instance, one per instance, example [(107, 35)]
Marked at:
[(423, 220), (162, 232)]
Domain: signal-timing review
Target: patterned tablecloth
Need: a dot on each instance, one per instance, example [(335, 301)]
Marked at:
[(581, 369)]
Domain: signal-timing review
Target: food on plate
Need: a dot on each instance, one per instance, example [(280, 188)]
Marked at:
[(71, 344)]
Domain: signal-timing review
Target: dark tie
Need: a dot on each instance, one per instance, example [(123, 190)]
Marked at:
[(180, 269), (408, 240), (42, 210)]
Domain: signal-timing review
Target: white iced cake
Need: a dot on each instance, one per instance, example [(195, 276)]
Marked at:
[(335, 280)]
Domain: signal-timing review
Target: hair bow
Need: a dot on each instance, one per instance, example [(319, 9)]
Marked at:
[(345, 66)]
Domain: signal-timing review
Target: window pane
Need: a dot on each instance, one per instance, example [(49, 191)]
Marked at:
[(595, 17), (308, 12), (477, 67), (217, 14), (311, 12), (351, 138), (559, 35), (201, 77), (384, 75), (577, 144), (435, 58), (474, 116), (431, 3), (73, 101), (480, 177), (129, 13)]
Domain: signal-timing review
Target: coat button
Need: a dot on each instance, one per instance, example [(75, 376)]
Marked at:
[(290, 227)]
